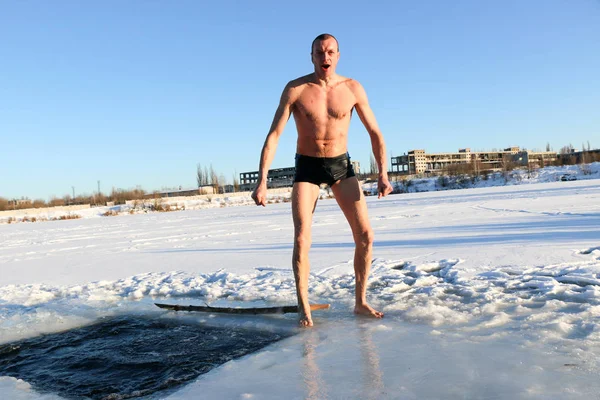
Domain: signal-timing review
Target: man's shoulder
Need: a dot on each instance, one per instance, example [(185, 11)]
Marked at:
[(294, 88), (301, 81), (351, 83)]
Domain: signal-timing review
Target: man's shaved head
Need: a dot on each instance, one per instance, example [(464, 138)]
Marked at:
[(323, 36)]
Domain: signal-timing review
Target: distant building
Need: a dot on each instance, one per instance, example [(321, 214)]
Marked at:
[(208, 189), (19, 202), (578, 157), (276, 178), (420, 162), (227, 189), (280, 177)]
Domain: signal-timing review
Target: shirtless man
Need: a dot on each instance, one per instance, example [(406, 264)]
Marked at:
[(322, 103)]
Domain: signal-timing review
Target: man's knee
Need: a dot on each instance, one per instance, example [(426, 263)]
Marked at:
[(302, 241), (364, 238)]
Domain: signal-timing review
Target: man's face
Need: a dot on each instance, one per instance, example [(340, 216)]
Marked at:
[(325, 56)]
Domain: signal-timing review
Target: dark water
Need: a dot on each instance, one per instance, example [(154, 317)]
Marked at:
[(126, 357)]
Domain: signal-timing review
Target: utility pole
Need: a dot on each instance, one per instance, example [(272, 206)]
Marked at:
[(98, 187), (73, 199)]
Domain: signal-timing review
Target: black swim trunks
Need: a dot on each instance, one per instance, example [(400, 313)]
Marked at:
[(320, 170)]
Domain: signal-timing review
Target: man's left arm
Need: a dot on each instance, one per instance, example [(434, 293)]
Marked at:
[(377, 143)]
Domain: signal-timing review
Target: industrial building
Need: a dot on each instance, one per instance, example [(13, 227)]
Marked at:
[(420, 162), (276, 178), (280, 177)]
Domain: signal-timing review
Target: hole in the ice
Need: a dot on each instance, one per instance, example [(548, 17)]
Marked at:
[(126, 357)]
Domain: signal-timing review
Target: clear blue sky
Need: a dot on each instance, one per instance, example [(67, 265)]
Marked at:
[(139, 92)]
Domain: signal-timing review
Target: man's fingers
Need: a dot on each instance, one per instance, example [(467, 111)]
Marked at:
[(259, 197), (384, 191), (260, 201)]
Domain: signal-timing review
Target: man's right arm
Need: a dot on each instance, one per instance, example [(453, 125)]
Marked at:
[(377, 143), (282, 115)]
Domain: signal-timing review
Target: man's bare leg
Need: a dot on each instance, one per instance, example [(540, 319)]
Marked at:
[(352, 202), (304, 200)]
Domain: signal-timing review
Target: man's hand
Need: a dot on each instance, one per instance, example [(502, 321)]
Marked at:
[(260, 195), (383, 187)]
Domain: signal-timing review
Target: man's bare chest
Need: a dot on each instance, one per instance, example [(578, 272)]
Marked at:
[(317, 104)]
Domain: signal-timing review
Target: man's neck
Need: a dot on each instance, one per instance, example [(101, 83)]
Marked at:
[(325, 81)]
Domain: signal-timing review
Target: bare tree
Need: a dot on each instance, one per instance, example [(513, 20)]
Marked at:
[(207, 177), (460, 169), (476, 166), (566, 149), (236, 183), (507, 164), (372, 166), (56, 202), (222, 181), (585, 158), (531, 168), (214, 179), (200, 177), (566, 156), (100, 199)]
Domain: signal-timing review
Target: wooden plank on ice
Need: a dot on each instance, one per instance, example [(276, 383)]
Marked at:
[(232, 310)]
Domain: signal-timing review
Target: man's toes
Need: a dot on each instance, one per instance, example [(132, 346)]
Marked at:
[(368, 311)]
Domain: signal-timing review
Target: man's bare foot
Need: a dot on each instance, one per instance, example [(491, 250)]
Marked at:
[(305, 320), (367, 311)]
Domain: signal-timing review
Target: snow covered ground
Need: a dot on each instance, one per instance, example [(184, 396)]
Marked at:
[(413, 185), (489, 293)]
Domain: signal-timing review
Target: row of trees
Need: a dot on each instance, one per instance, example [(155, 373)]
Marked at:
[(207, 176), (568, 156), (117, 196), (570, 149)]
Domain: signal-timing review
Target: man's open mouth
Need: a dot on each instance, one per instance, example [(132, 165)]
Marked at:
[(325, 66)]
